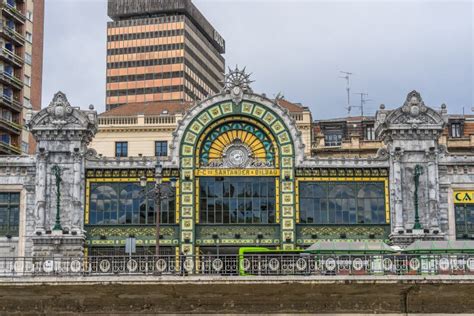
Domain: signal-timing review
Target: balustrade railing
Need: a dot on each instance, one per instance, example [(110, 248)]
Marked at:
[(233, 265)]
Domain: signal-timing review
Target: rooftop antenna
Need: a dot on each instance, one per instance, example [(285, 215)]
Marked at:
[(363, 101), (348, 89)]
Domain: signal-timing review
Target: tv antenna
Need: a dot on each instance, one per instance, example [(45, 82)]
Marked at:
[(363, 101), (347, 76)]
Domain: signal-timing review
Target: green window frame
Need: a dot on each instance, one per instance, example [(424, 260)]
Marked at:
[(342, 203), (237, 200), (9, 213), (464, 214), (127, 203)]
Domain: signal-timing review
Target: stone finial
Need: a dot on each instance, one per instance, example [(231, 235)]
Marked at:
[(91, 107), (382, 106)]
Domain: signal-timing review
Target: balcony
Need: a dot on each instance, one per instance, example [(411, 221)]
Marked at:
[(12, 35), (11, 80), (12, 12), (11, 103), (11, 57), (9, 149), (10, 126)]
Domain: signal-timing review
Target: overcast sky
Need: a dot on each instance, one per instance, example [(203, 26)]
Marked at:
[(297, 48)]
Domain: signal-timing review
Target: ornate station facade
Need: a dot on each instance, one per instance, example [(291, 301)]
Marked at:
[(242, 179)]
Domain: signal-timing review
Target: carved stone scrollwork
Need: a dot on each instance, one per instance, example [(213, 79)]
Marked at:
[(382, 154), (60, 111), (91, 154)]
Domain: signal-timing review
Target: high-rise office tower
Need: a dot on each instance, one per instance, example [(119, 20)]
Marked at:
[(21, 63), (161, 50)]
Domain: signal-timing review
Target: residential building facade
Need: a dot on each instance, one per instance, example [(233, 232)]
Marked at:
[(353, 137), (161, 51), (21, 64)]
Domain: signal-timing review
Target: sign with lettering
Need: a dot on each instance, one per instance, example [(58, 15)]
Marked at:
[(464, 197), (218, 38), (237, 172)]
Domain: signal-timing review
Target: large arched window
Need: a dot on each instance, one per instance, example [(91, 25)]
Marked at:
[(126, 204), (342, 202)]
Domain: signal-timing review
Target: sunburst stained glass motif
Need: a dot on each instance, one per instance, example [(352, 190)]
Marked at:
[(225, 135)]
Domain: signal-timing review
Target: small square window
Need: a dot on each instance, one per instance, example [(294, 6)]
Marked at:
[(28, 58), (333, 139), (369, 132), (29, 37), (456, 130), (161, 148), (121, 149), (27, 80)]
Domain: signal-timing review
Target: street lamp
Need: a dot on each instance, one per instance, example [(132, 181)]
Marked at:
[(157, 196)]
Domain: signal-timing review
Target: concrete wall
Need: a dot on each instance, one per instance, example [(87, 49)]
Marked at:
[(113, 295)]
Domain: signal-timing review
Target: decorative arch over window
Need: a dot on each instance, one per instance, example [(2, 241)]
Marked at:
[(236, 143)]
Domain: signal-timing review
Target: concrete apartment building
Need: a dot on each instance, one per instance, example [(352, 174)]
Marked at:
[(21, 62), (161, 51)]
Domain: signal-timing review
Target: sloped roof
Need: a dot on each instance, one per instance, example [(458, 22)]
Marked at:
[(349, 246), (148, 108), (292, 107), (441, 246)]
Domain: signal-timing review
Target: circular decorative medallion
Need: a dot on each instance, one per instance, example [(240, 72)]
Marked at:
[(357, 264), (245, 264), (274, 264), (443, 264), (237, 156), (104, 266), (48, 266), (75, 266), (330, 264), (161, 265), (217, 264), (301, 264), (132, 265)]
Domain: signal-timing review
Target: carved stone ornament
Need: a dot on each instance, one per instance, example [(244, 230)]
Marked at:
[(414, 105), (237, 154), (237, 82), (60, 111), (412, 115), (74, 123), (415, 111)]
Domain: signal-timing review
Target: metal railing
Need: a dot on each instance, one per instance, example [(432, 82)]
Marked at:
[(255, 264)]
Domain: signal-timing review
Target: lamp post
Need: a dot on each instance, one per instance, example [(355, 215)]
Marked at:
[(157, 196), (418, 173)]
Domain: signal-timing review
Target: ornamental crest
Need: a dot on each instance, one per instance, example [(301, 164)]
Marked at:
[(237, 82), (414, 105), (414, 112), (60, 110)]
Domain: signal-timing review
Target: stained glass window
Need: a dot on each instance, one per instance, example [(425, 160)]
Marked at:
[(237, 200), (342, 203), (464, 221), (127, 204)]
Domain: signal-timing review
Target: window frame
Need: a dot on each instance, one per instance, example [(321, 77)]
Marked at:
[(330, 207), (160, 143), (6, 229), (456, 130), (121, 144)]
